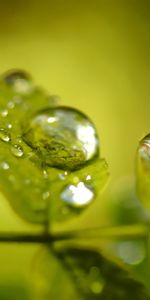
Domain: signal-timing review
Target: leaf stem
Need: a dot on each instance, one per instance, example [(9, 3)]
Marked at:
[(127, 231)]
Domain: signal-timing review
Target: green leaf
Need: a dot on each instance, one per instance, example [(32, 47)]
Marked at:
[(21, 180), (94, 175), (28, 181), (50, 280), (79, 273)]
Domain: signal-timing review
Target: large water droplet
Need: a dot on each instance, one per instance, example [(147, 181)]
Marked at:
[(4, 135), (143, 171), (78, 195), (19, 80), (63, 136), (17, 150), (144, 151)]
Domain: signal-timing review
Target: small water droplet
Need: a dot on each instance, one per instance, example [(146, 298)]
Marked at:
[(132, 252), (17, 150), (19, 80), (45, 174), (4, 135), (4, 113), (96, 287), (27, 181), (64, 137), (96, 281), (4, 165), (10, 104), (17, 100), (9, 126), (78, 195), (62, 176), (46, 195), (88, 178)]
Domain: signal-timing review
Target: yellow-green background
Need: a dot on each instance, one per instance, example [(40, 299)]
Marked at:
[(96, 56)]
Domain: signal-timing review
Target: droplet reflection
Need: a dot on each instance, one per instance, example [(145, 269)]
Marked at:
[(17, 150), (20, 81), (4, 135), (132, 252), (143, 171), (77, 196), (65, 137)]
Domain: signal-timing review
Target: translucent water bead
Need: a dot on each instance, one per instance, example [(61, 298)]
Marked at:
[(77, 196), (143, 171), (19, 80), (63, 137)]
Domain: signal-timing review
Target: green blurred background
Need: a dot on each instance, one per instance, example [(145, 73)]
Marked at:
[(94, 55)]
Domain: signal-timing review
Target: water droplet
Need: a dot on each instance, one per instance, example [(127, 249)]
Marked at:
[(78, 195), (96, 281), (46, 195), (9, 126), (27, 181), (10, 104), (4, 113), (143, 171), (132, 252), (144, 152), (17, 150), (96, 287), (88, 178), (19, 80), (64, 137), (4, 136), (4, 165), (62, 176)]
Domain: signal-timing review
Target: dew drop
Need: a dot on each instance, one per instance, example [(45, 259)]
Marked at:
[(144, 151), (132, 252), (10, 104), (96, 287), (19, 80), (88, 177), (17, 150), (27, 181), (4, 113), (62, 176), (143, 171), (9, 126), (4, 165), (64, 137), (45, 174), (4, 136), (96, 281), (78, 195), (46, 195)]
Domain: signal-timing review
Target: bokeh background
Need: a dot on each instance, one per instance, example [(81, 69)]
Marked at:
[(94, 55)]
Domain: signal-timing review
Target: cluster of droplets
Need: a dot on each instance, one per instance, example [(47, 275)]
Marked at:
[(16, 149), (19, 83), (58, 137)]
